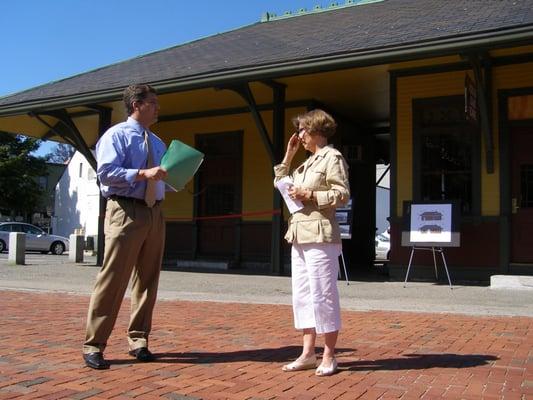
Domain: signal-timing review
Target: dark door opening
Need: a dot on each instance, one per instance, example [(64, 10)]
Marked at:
[(219, 183), (521, 194)]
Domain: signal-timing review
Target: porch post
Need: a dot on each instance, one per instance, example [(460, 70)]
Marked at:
[(104, 122), (484, 87), (276, 251)]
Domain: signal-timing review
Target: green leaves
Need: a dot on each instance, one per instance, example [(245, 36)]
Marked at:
[(20, 191)]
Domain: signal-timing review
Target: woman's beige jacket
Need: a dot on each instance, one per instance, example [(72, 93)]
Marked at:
[(326, 174)]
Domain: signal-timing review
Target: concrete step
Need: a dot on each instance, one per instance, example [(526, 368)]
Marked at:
[(519, 282)]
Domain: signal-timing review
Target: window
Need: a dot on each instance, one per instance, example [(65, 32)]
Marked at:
[(17, 228), (445, 152), (6, 228), (33, 230), (81, 170)]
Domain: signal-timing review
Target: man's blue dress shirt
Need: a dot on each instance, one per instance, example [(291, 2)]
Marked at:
[(120, 153)]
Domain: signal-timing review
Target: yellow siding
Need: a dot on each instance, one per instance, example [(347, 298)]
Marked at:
[(446, 84), (257, 169)]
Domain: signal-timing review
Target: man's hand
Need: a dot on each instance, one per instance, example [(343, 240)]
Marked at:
[(155, 173)]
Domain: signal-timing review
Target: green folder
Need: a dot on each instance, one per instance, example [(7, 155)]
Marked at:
[(181, 161)]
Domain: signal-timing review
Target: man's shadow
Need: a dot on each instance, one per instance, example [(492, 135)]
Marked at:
[(289, 353), (277, 354)]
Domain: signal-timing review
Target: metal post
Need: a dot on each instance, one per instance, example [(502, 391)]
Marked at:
[(345, 271), (435, 263), (409, 266)]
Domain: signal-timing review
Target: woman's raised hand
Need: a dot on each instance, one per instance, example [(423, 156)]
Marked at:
[(292, 147)]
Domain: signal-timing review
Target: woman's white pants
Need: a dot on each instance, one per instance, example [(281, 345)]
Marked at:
[(315, 298)]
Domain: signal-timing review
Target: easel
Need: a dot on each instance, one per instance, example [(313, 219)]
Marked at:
[(433, 250), (345, 271)]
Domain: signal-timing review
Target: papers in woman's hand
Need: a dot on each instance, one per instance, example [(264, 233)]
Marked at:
[(283, 185)]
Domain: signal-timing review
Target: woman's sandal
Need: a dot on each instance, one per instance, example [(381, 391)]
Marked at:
[(327, 371), (300, 365)]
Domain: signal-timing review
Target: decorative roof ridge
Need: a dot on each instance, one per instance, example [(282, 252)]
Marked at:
[(268, 16)]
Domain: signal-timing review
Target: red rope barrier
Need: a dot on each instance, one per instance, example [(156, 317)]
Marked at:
[(228, 216)]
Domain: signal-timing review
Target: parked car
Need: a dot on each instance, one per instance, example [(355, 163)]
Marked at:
[(382, 242), (36, 238)]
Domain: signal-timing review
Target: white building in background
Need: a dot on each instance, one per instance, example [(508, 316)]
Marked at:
[(76, 199), (382, 197)]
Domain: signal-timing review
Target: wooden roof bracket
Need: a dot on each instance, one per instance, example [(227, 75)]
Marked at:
[(482, 68), (67, 130), (245, 92)]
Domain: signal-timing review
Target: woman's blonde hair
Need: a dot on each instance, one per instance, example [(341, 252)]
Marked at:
[(316, 122)]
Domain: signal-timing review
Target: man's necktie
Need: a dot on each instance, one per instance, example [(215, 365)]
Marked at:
[(149, 194)]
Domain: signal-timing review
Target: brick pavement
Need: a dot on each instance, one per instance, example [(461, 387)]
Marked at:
[(209, 350)]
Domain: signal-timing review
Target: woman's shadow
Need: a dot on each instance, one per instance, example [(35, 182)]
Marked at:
[(289, 353), (419, 361)]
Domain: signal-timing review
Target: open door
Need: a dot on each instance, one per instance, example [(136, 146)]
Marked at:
[(219, 183), (522, 195)]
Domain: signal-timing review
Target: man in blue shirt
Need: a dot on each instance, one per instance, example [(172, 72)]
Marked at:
[(128, 157)]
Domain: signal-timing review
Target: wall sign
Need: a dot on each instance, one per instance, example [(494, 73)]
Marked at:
[(471, 104)]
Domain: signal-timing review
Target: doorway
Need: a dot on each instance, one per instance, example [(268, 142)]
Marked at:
[(521, 194), (218, 203)]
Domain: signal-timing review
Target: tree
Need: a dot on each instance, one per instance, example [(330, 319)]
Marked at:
[(20, 191), (61, 154)]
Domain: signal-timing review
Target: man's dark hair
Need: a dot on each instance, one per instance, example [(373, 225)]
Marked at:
[(136, 93)]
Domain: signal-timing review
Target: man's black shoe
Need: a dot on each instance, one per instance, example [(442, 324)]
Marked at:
[(142, 354), (95, 360)]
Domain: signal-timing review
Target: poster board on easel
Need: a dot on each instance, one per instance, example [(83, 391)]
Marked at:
[(343, 215), (431, 224)]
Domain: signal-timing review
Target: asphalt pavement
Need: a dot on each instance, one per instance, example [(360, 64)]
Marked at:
[(48, 273)]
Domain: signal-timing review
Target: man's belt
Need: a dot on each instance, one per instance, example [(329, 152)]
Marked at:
[(116, 197)]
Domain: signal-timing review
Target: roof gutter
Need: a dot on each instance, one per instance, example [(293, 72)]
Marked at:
[(435, 48)]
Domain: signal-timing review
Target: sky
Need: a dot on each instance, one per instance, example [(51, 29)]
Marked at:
[(43, 41)]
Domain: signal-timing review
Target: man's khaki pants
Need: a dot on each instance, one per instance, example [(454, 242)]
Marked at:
[(134, 241)]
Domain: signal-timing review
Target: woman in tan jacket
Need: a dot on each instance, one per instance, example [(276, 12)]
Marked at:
[(321, 184)]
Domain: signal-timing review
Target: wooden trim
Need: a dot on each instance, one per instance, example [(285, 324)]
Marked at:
[(513, 59), (461, 65), (220, 112), (393, 194), (431, 69)]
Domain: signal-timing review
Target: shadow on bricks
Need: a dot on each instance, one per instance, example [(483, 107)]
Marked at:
[(420, 361), (268, 355)]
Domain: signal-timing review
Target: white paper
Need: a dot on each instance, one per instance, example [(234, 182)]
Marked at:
[(283, 185), (431, 223)]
